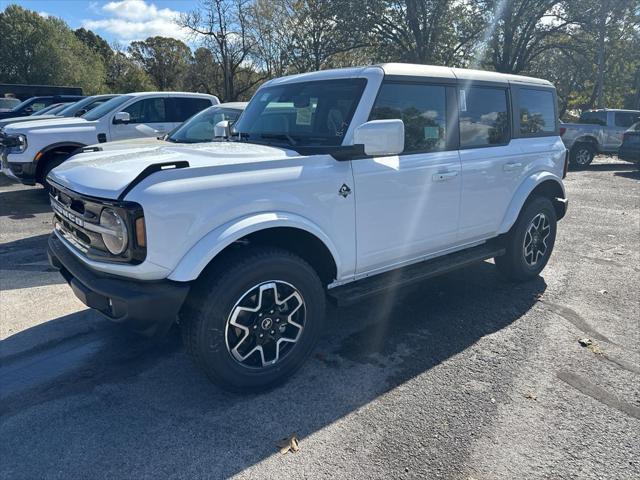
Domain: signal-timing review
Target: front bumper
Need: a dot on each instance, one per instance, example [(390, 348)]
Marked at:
[(629, 154), (147, 307)]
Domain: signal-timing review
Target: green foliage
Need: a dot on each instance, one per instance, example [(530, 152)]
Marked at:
[(590, 49), (165, 60), (40, 50)]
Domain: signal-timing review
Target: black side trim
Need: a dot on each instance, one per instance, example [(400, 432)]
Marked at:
[(402, 277), (156, 167)]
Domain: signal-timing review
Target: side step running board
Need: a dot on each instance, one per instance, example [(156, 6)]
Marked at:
[(356, 291)]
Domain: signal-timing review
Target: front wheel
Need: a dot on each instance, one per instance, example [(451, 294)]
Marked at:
[(253, 321), (530, 242)]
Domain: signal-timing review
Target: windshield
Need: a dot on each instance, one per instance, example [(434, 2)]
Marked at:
[(52, 110), (200, 127), (106, 107), (314, 113), (28, 101), (87, 103)]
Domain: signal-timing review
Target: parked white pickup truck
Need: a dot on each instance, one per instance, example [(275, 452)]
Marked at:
[(32, 149), (342, 183), (597, 132)]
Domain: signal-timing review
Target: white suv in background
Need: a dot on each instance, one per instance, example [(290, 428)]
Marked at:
[(342, 183), (33, 148)]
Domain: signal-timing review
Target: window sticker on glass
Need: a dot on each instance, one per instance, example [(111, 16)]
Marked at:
[(463, 101), (431, 133), (303, 115)]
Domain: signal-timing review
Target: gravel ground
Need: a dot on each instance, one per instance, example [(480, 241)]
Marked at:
[(465, 376)]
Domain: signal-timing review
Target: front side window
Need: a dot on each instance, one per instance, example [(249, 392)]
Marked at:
[(316, 113), (149, 110), (484, 117), (626, 119), (200, 128), (422, 108), (537, 112)]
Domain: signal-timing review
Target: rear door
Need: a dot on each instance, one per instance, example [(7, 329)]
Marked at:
[(180, 109), (407, 205), (149, 118), (620, 122), (492, 164)]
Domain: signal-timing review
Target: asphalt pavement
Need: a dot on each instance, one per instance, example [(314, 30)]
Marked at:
[(464, 376)]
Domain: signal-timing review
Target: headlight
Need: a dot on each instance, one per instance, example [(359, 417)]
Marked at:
[(16, 143), (116, 238)]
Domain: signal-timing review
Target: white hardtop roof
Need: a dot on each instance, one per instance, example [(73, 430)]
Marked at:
[(238, 105), (415, 70)]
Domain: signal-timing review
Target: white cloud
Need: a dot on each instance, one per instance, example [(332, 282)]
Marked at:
[(44, 14), (130, 20)]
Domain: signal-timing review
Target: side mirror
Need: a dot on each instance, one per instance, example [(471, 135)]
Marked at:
[(380, 137), (121, 117), (222, 129), (28, 110)]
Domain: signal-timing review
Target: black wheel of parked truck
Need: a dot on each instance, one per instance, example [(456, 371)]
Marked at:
[(581, 155), (253, 320), (530, 241)]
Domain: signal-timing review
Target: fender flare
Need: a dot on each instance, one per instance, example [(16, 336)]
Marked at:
[(208, 247), (586, 139), (38, 156), (522, 194)]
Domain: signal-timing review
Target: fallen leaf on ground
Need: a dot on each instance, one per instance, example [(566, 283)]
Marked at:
[(531, 396), (604, 292), (289, 444), (585, 342), (595, 349)]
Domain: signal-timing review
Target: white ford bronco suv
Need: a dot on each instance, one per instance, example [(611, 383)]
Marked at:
[(33, 148), (342, 184)]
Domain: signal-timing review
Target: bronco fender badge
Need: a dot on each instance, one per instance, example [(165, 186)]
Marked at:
[(344, 190)]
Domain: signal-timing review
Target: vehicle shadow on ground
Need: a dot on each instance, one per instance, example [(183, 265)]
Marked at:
[(22, 202), (136, 407), (633, 174), (24, 264)]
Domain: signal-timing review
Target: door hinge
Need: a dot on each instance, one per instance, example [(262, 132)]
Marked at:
[(344, 191)]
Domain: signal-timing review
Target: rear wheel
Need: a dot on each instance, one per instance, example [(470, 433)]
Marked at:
[(530, 242), (253, 322), (581, 155)]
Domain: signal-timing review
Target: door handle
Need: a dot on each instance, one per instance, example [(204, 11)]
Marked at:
[(511, 166), (444, 176)]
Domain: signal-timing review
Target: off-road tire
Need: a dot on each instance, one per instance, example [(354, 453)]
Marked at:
[(513, 264), (211, 301)]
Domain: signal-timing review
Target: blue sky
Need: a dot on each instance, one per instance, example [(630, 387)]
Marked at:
[(115, 20)]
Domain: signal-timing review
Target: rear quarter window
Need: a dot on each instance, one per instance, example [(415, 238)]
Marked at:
[(537, 112)]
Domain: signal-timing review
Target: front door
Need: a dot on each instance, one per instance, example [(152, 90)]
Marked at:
[(149, 118), (407, 205)]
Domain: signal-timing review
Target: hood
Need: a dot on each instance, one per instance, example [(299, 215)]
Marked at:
[(107, 174), (56, 123), (8, 121), (132, 143)]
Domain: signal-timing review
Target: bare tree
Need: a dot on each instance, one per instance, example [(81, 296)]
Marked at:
[(223, 27)]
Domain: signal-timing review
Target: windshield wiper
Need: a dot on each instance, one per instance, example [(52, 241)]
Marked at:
[(280, 136)]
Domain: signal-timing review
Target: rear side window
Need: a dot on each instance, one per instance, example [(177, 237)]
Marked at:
[(626, 119), (484, 117), (150, 110), (537, 112), (593, 118), (422, 108), (182, 108)]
